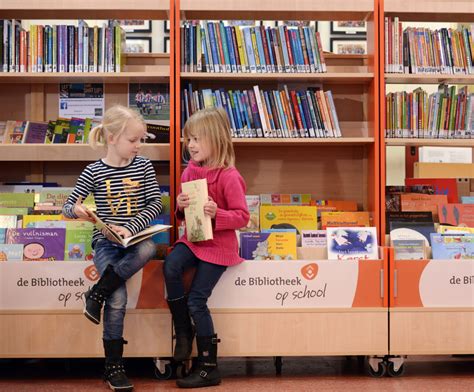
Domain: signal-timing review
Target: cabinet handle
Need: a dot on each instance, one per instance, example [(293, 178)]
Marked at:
[(382, 291), (395, 283)]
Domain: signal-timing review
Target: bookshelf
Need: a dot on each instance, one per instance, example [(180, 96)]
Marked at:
[(34, 96), (345, 168), (413, 312)]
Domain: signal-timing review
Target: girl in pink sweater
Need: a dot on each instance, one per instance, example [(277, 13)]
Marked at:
[(208, 140)]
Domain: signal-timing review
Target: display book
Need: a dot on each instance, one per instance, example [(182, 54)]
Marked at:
[(132, 240)]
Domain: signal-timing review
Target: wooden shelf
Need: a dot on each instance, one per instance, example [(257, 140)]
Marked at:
[(72, 152), (277, 9), (431, 10), (352, 75), (85, 9), (282, 142), (86, 77), (429, 142), (428, 79)]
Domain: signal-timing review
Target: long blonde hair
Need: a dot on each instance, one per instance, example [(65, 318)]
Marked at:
[(212, 125), (113, 123)]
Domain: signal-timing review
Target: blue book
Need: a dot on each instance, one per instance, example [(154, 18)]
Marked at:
[(467, 199), (261, 52), (225, 46), (245, 116), (276, 245), (294, 50), (249, 49), (230, 45), (352, 243), (309, 48), (212, 42), (281, 113), (204, 49), (302, 114), (284, 49), (11, 252), (452, 246), (228, 109), (238, 107)]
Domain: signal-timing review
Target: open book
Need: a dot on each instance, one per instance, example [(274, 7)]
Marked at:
[(134, 239)]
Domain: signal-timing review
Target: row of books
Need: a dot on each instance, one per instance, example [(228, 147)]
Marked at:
[(61, 48), (217, 47), (64, 130), (444, 114), (272, 113), (427, 51)]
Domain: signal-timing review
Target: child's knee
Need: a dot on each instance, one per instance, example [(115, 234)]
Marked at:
[(118, 299), (146, 250), (196, 305)]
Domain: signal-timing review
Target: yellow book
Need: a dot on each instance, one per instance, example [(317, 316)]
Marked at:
[(288, 217), (345, 219), (30, 220), (268, 246), (241, 48)]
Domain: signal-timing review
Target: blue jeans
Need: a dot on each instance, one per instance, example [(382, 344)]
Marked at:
[(126, 262), (205, 279)]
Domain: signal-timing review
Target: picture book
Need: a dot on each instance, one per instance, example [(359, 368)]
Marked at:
[(452, 246), (407, 216), (31, 220), (455, 229), (352, 243), (14, 210), (3, 232), (422, 202), (125, 242), (288, 217), (441, 186), (39, 244), (409, 249), (253, 205), (8, 221), (456, 214), (78, 245), (393, 195), (14, 132), (313, 239), (303, 199), (345, 219), (424, 228), (343, 205), (407, 234), (11, 252), (35, 132), (10, 199), (198, 225), (268, 246)]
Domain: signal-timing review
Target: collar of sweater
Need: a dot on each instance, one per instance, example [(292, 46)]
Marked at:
[(197, 172)]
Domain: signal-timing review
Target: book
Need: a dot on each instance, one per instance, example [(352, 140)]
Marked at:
[(198, 224), (352, 243), (253, 205), (313, 239), (268, 246), (78, 244), (288, 217), (345, 219), (409, 249), (126, 242), (441, 186), (445, 154), (407, 216), (456, 214), (38, 244), (17, 199), (11, 252), (421, 202), (452, 246), (424, 228)]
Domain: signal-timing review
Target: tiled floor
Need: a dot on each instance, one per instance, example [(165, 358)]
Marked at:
[(442, 373)]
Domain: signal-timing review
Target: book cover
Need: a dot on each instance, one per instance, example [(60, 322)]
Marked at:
[(288, 217), (344, 219), (455, 230), (156, 133), (422, 202), (441, 186), (78, 244), (39, 244), (253, 205), (11, 252), (452, 246), (393, 194), (352, 243), (36, 132), (409, 249), (456, 214), (17, 199), (407, 216), (424, 228), (467, 199), (8, 221), (343, 205), (198, 225), (268, 246), (30, 221), (313, 239)]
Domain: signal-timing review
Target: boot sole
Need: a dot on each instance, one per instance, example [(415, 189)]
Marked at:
[(207, 384), (90, 317), (121, 389)]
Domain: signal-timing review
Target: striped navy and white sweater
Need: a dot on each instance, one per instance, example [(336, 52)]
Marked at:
[(126, 196)]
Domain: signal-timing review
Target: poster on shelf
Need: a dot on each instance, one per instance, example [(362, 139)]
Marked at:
[(299, 284), (59, 285), (83, 100)]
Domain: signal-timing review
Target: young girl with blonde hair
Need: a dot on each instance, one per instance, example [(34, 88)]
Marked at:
[(128, 198), (207, 139)]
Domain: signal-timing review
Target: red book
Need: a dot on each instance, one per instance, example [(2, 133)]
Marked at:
[(442, 186)]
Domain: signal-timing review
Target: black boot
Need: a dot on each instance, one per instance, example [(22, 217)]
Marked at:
[(183, 329), (206, 373), (114, 374), (103, 289)]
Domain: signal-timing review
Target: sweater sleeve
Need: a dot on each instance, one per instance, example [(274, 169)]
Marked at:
[(236, 215), (153, 202), (84, 186)]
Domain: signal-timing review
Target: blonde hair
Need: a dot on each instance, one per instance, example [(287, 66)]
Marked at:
[(212, 125), (113, 123)]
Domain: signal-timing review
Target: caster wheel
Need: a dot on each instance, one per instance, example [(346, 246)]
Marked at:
[(278, 365), (381, 370), (395, 373), (166, 375)]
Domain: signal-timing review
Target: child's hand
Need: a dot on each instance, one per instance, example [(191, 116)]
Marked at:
[(183, 200), (82, 212), (210, 208), (122, 231)]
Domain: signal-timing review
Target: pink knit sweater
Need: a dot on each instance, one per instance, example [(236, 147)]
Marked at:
[(227, 189)]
